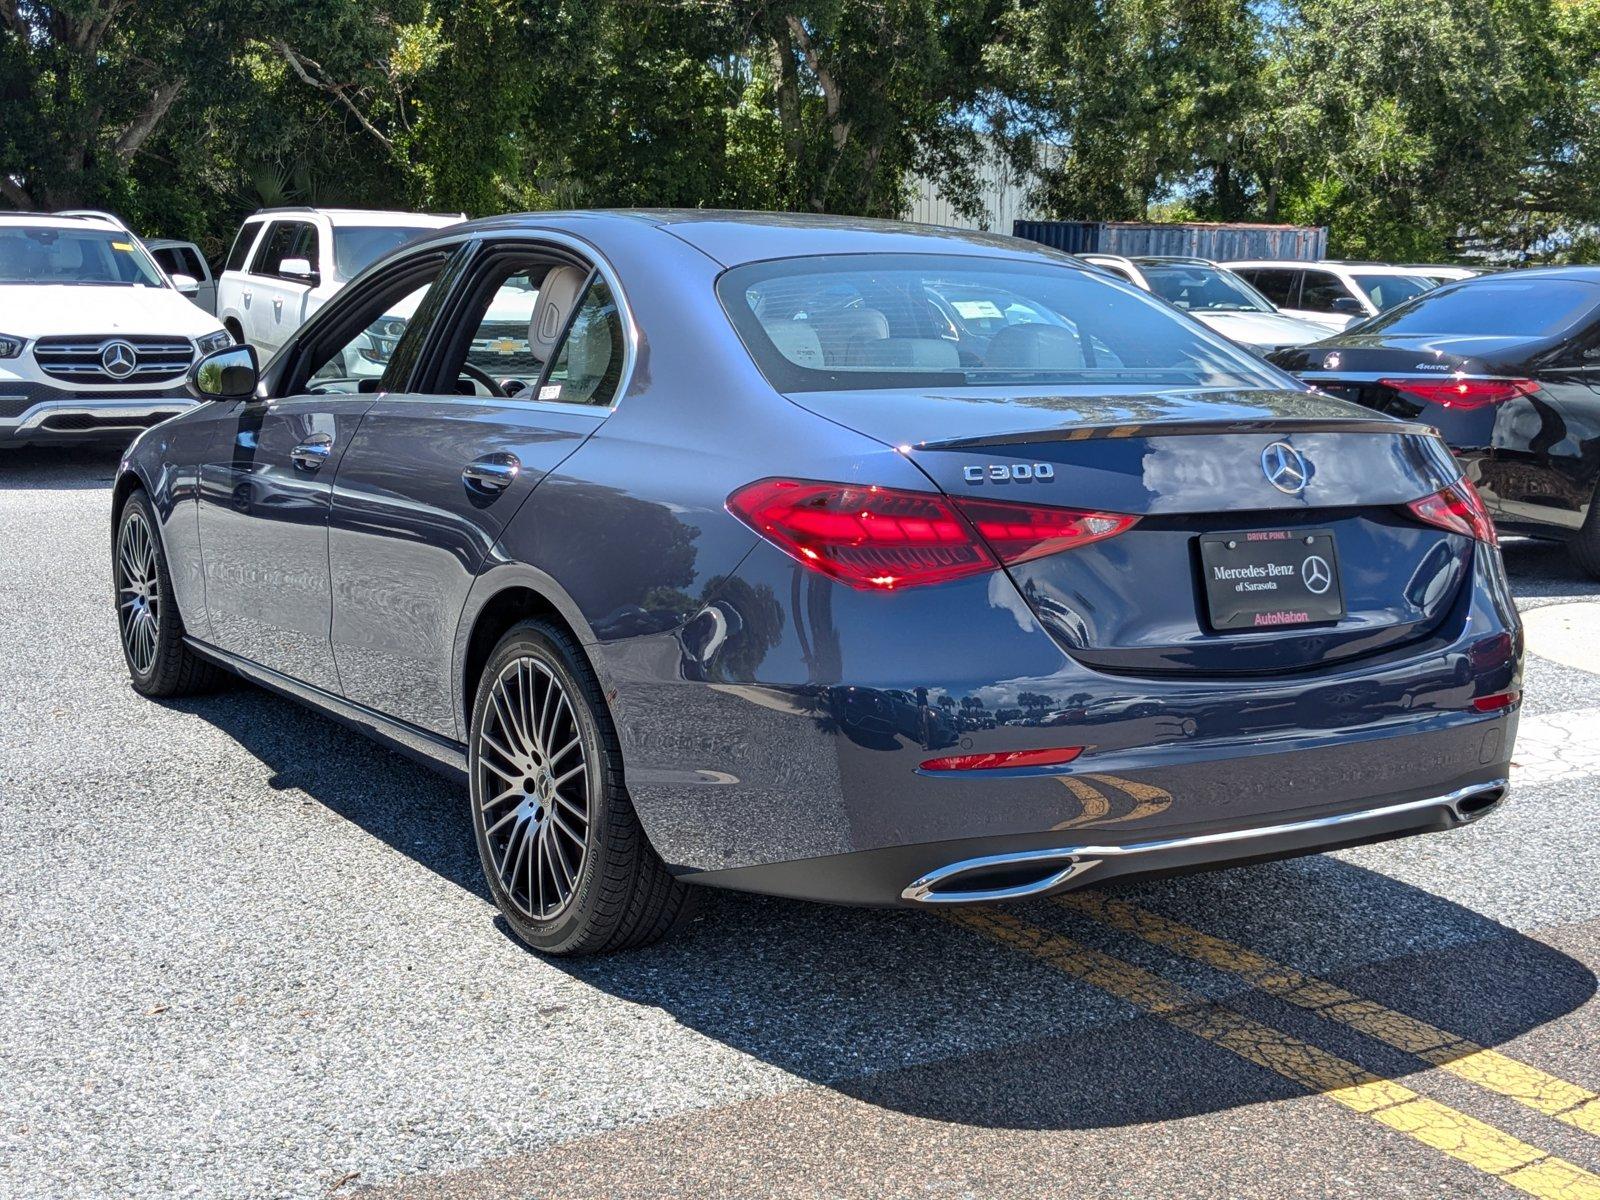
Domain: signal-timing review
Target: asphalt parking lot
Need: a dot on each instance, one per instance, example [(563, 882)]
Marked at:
[(245, 953)]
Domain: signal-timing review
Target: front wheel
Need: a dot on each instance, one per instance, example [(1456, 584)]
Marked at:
[(568, 864), (147, 615)]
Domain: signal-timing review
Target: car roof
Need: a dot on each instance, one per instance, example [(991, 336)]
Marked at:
[(731, 238), (52, 221), (361, 216)]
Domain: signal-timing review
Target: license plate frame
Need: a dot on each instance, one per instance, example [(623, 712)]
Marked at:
[(1264, 579)]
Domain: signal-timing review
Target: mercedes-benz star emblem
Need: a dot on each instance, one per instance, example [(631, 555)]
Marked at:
[(1331, 362), (1316, 573), (118, 360), (1285, 469)]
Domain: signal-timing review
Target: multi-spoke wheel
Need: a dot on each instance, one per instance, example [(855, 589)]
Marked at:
[(561, 846), (533, 776), (147, 615), (138, 592)]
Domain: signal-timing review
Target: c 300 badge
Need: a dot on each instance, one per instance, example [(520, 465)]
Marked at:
[(1017, 473)]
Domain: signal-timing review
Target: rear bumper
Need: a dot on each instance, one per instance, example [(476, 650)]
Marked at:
[(39, 414)]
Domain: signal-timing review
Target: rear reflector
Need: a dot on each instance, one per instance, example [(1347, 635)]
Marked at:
[(1462, 393), (1496, 702), (876, 538), (1459, 509), (1004, 759)]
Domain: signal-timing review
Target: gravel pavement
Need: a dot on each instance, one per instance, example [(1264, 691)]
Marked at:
[(245, 953)]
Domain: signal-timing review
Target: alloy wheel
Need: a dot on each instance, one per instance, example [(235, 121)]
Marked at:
[(532, 788), (138, 593)]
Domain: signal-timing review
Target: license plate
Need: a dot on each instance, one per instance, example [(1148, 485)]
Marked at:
[(1271, 578)]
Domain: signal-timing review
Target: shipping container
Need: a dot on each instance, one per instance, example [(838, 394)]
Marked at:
[(1192, 239)]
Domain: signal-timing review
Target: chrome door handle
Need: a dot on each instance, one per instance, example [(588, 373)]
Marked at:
[(277, 303), (492, 473), (313, 452), (247, 296)]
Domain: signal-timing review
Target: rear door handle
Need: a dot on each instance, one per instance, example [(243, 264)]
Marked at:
[(492, 473), (313, 452), (247, 296)]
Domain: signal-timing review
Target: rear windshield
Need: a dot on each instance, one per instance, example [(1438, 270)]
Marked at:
[(913, 320), (1385, 291), (357, 246), (1494, 306), (1203, 289), (75, 256)]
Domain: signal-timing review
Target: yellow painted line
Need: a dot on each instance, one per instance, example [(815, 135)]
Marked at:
[(1429, 1122), (1499, 1073)]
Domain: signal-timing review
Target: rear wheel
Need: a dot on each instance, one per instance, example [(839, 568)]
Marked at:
[(568, 864), (1585, 547), (147, 615)]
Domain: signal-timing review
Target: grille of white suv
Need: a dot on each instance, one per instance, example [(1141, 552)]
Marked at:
[(84, 359)]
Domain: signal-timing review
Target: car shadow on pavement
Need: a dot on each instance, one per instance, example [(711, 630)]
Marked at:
[(910, 1012), (58, 468)]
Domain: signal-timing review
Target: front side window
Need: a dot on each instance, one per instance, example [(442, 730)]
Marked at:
[(357, 336), (1385, 291), (42, 254), (1321, 289), (1204, 289), (888, 321)]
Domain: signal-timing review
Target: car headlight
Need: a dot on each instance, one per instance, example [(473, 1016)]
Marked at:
[(220, 340), (10, 346), (383, 335)]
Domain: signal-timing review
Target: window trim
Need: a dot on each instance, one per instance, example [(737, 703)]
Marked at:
[(243, 268)]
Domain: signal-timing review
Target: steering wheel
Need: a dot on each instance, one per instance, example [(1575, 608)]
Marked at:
[(479, 375)]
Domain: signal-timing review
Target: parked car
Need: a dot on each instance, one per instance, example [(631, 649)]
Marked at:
[(95, 341), (1507, 367), (750, 467), (187, 268), (285, 263), (1215, 297), (1337, 295)]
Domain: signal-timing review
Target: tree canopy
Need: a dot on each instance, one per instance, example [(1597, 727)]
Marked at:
[(1404, 125)]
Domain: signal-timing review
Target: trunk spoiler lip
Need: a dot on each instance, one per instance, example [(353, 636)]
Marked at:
[(1282, 426)]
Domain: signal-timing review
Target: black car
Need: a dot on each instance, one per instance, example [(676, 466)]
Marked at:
[(1507, 367)]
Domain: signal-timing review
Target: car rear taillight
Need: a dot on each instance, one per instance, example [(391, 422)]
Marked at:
[(1004, 760), (1495, 703), (1462, 393), (877, 538), (1459, 509)]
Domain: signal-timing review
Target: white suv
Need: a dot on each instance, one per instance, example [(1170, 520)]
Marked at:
[(288, 262), (1334, 294), (95, 339)]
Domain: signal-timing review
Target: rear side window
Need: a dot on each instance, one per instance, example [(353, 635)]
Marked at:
[(241, 246), (1276, 285), (179, 260), (876, 321), (1385, 291), (1504, 306), (588, 367)]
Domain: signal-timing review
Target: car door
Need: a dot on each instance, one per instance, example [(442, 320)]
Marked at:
[(276, 302), (234, 284), (434, 475), (266, 488)]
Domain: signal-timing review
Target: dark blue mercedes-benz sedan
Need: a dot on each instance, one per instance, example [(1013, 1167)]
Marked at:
[(833, 559)]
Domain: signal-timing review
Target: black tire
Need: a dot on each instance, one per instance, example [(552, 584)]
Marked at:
[(152, 644), (620, 894), (1585, 545)]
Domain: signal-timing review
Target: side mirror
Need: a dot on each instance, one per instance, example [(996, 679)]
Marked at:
[(229, 374), (1349, 306), (187, 284), (298, 268)]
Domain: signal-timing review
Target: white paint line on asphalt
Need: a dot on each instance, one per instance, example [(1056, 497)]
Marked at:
[(1566, 633), (1561, 745)]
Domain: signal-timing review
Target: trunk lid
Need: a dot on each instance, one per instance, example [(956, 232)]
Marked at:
[(1191, 466)]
